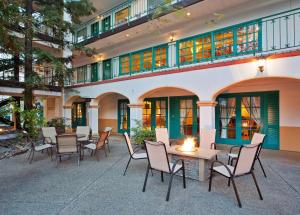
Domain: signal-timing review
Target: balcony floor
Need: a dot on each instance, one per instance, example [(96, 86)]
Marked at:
[(99, 187)]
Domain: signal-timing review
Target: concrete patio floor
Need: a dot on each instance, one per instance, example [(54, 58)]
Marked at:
[(100, 188)]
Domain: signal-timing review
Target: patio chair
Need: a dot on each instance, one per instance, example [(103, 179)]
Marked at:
[(162, 135), (158, 160), (83, 130), (109, 130), (132, 152), (67, 145), (257, 138), (37, 148), (97, 145), (207, 139), (49, 135), (243, 166)]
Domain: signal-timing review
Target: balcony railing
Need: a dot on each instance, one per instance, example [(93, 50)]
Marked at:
[(129, 11), (264, 36)]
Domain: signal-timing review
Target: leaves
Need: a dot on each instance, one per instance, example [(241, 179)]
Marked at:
[(140, 133)]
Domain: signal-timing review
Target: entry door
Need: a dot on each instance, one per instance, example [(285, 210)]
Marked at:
[(106, 22), (94, 72), (107, 69), (123, 116), (183, 117), (78, 114)]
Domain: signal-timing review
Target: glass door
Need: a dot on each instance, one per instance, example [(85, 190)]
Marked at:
[(78, 114), (107, 69), (123, 116), (94, 72)]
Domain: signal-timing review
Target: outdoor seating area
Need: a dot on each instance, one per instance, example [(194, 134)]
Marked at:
[(73, 189)]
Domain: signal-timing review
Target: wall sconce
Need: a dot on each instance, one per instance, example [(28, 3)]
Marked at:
[(261, 63), (171, 38)]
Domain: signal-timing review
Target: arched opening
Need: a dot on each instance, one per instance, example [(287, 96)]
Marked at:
[(171, 107), (113, 111), (79, 114), (265, 105)]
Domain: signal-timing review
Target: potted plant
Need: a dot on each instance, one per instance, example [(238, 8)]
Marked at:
[(140, 134), (59, 124)]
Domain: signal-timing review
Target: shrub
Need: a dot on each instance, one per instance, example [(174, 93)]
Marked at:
[(140, 133)]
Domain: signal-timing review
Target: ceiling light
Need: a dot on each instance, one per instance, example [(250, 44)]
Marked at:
[(127, 35), (188, 13)]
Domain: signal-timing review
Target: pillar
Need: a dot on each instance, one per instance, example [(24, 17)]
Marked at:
[(206, 114), (68, 115), (93, 118), (136, 111)]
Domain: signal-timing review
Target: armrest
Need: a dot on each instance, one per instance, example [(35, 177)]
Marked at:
[(217, 161), (233, 147)]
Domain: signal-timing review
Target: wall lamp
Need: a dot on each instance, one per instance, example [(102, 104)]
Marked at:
[(261, 63)]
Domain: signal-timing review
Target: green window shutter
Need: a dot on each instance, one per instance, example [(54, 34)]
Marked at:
[(107, 74), (94, 72)]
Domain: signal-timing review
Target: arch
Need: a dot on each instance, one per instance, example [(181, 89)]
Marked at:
[(97, 100), (71, 99), (150, 92), (235, 84)]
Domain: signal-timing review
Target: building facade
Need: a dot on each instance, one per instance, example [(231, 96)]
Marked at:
[(188, 65)]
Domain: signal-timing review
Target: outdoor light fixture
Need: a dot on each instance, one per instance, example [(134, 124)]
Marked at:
[(261, 62), (127, 35), (171, 37)]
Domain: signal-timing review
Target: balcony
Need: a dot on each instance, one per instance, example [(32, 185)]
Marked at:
[(261, 37), (126, 15)]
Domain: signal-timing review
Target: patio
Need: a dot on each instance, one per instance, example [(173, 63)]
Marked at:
[(100, 187)]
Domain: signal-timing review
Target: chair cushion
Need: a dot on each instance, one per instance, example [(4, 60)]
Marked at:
[(233, 155), (139, 155), (42, 147), (177, 167), (91, 146), (222, 170)]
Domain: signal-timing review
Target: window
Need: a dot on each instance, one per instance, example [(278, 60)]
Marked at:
[(224, 43), (147, 60), (186, 117), (106, 24), (227, 120), (161, 113), (251, 119), (107, 69), (203, 48), (160, 57), (136, 62), (81, 74), (147, 115), (122, 16), (125, 64), (247, 38), (152, 4), (95, 29), (186, 50), (81, 35)]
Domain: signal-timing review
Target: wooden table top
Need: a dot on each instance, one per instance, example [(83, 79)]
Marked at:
[(206, 154)]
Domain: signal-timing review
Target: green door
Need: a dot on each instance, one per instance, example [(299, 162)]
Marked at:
[(78, 114), (239, 116), (95, 29), (155, 113), (123, 116), (107, 70), (183, 117), (94, 72), (106, 24)]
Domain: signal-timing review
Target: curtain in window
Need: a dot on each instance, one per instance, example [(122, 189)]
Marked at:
[(227, 111), (256, 111)]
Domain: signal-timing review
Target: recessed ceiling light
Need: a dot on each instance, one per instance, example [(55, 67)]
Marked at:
[(188, 13), (127, 35)]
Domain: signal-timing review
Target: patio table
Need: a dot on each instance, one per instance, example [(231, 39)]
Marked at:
[(202, 155)]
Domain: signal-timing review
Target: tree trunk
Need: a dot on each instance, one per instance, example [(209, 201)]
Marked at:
[(28, 92), (16, 67)]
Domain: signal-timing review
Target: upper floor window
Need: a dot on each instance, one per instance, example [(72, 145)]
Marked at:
[(122, 16), (203, 48), (224, 43), (247, 38), (147, 59), (160, 57), (136, 62), (95, 29), (81, 35), (186, 50), (125, 64), (81, 74)]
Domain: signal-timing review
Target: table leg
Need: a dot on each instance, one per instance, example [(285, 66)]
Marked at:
[(202, 166)]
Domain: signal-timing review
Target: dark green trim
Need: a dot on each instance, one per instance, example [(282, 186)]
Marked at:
[(94, 72), (107, 69), (120, 101), (76, 121), (153, 110)]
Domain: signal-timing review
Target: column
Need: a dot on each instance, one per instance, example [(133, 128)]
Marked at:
[(93, 118), (68, 115), (136, 113), (206, 114)]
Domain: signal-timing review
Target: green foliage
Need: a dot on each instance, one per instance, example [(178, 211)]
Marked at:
[(140, 133), (58, 123)]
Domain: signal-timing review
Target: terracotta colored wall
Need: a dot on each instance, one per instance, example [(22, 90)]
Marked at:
[(108, 123), (290, 138)]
